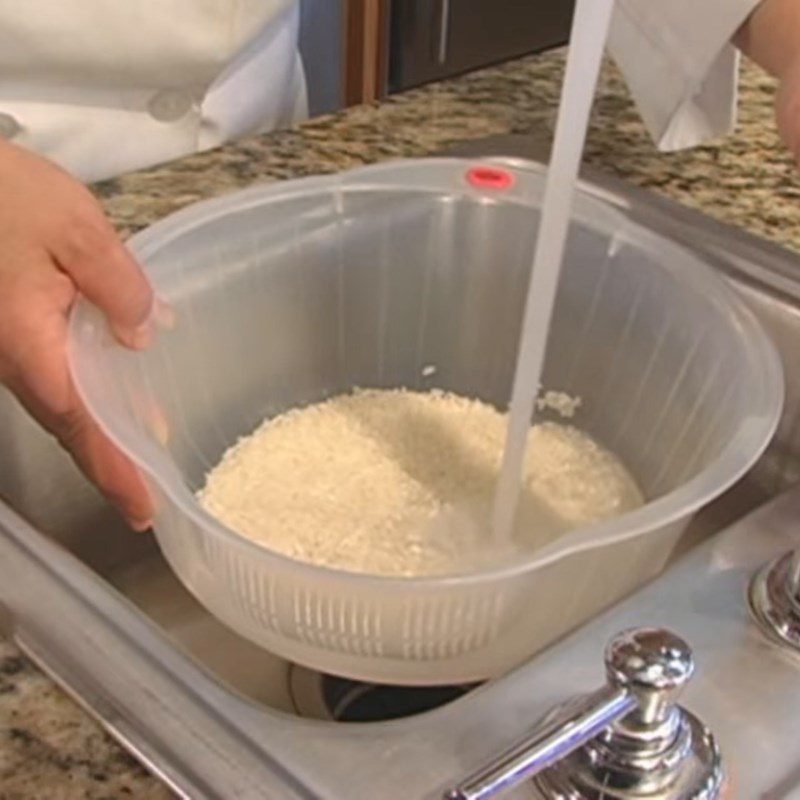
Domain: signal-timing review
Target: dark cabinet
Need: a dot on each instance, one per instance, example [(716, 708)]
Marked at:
[(432, 39)]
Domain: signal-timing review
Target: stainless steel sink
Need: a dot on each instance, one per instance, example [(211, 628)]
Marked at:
[(97, 607)]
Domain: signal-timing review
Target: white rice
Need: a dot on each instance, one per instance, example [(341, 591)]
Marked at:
[(400, 483)]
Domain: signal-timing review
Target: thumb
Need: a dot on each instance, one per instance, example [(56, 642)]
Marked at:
[(108, 275)]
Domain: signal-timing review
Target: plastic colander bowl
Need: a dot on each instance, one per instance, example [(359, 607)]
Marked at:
[(289, 293)]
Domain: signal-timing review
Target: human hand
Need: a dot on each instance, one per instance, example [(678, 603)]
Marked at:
[(55, 242), (771, 37)]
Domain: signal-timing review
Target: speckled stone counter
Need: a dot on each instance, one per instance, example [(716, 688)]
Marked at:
[(49, 748), (746, 178)]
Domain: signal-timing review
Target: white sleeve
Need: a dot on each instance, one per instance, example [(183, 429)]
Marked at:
[(678, 62)]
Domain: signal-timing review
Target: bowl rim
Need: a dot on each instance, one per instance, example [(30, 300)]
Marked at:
[(736, 458)]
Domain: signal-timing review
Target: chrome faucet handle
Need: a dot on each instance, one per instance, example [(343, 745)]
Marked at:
[(652, 664), (627, 740), (774, 596)]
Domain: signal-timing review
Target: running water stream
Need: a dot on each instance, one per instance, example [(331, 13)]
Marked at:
[(587, 42)]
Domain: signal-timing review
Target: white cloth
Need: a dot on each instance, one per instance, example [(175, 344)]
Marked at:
[(103, 87), (682, 70)]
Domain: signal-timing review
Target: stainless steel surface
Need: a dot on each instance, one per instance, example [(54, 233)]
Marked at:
[(628, 739), (775, 602), (432, 39), (97, 607), (793, 578)]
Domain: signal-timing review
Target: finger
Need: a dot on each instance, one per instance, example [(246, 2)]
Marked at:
[(111, 471), (39, 376), (117, 478), (104, 271)]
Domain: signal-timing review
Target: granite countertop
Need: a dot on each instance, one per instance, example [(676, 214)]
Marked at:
[(745, 179), (49, 748)]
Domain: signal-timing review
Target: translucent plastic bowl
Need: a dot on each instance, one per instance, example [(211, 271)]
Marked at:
[(291, 292)]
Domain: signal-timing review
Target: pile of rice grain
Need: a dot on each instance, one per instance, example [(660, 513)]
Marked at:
[(401, 483)]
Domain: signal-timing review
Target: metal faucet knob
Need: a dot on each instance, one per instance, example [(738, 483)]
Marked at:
[(774, 596), (654, 665), (628, 740), (659, 750)]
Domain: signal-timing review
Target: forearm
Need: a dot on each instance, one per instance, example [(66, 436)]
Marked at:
[(771, 36)]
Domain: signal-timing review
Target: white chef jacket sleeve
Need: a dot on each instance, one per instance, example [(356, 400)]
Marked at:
[(678, 62)]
